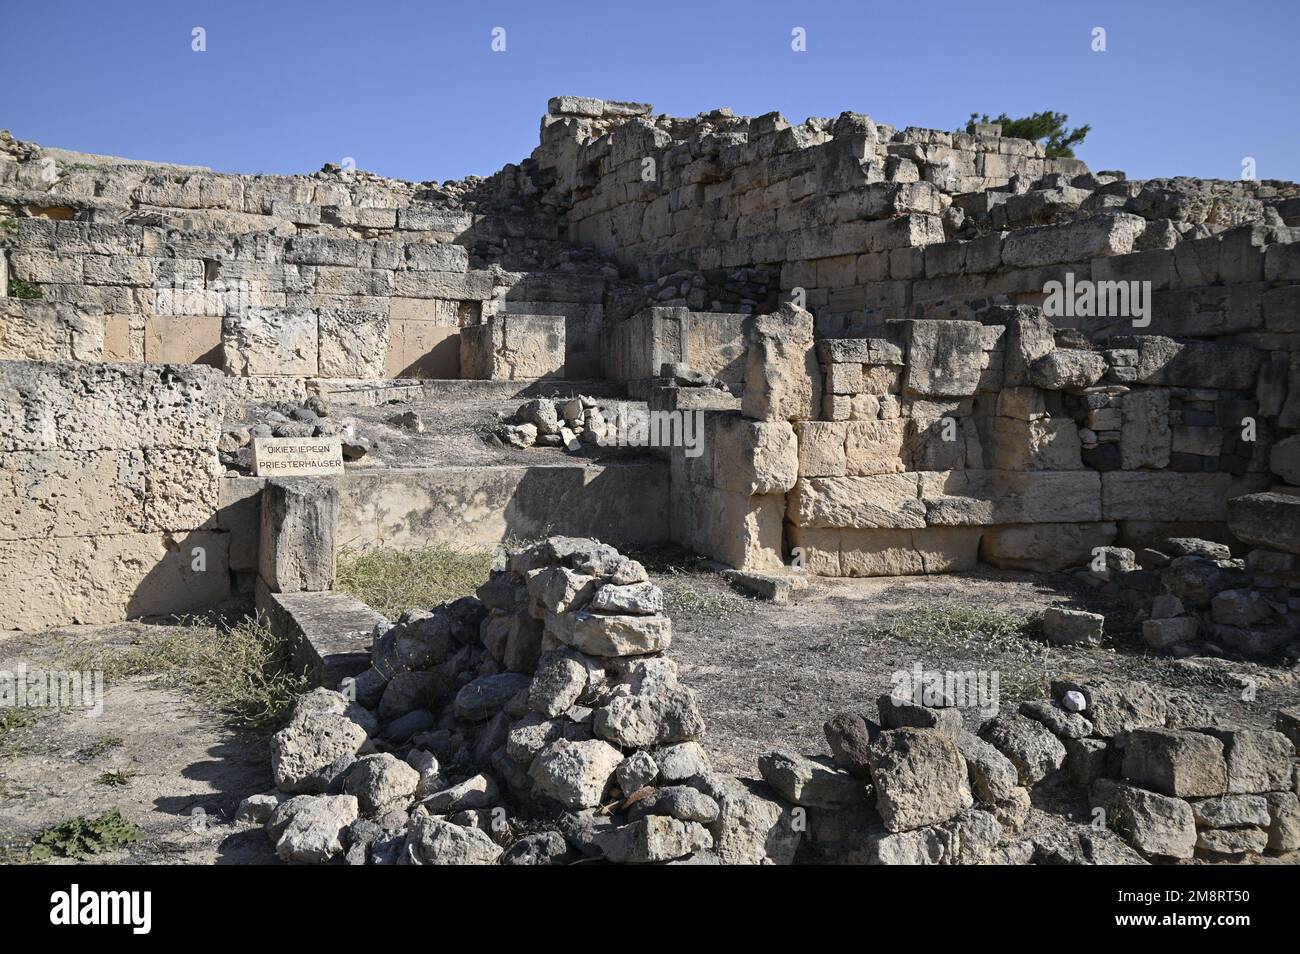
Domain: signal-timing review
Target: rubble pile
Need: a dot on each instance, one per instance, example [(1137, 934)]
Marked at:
[(537, 723)]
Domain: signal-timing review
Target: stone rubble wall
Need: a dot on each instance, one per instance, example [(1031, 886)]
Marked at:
[(544, 722), (335, 275), (109, 502)]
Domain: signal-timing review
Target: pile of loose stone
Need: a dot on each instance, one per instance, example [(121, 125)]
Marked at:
[(536, 723), (540, 722), (917, 788), (570, 423), (1193, 598)]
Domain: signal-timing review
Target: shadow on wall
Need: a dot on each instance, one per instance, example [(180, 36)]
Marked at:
[(190, 572), (624, 504)]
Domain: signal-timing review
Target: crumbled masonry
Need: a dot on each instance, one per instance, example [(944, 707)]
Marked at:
[(543, 722), (805, 352)]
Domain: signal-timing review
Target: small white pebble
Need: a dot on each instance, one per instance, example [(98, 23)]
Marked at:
[(1074, 701)]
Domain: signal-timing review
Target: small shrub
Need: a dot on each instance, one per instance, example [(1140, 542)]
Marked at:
[(116, 779), (82, 838), (23, 289)]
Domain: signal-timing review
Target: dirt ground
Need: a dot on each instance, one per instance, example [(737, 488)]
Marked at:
[(767, 675), (189, 770)]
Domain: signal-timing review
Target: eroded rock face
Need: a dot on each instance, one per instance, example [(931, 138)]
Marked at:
[(919, 778), (303, 753)]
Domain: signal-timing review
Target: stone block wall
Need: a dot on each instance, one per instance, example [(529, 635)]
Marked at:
[(337, 275), (110, 497)]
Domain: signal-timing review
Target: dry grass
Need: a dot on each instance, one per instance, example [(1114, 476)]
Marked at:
[(240, 670), (391, 581)]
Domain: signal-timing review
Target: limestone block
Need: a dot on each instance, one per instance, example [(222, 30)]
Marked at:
[(943, 357), (1028, 338), (1104, 234), (353, 343), (744, 456), (985, 497), (187, 339), (1146, 438), (1044, 547), (822, 448), (873, 447), (299, 522), (883, 501), (1156, 495), (513, 347), (1044, 444), (271, 341), (422, 349), (108, 578), (738, 529), (1197, 364), (782, 378), (908, 552), (1269, 520), (86, 407)]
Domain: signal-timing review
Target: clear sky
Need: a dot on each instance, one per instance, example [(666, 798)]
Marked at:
[(414, 89)]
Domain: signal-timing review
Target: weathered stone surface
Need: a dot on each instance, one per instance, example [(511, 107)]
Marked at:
[(1232, 841), (637, 599), (1116, 706), (919, 777), (381, 783), (1267, 520), (1174, 762), (804, 781), (1066, 368), (969, 838), (600, 634), (682, 761), (559, 680), (1044, 547), (433, 841), (314, 832), (1072, 627), (1258, 760), (1283, 821), (1230, 811), (1062, 723), (753, 828), (1030, 746), (782, 379), (575, 774), (849, 737), (993, 776), (637, 770), (478, 791), (303, 752), (1154, 824), (654, 838), (1146, 439), (943, 357), (664, 715)]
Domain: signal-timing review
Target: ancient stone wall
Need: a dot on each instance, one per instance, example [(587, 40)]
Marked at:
[(109, 502), (338, 275)]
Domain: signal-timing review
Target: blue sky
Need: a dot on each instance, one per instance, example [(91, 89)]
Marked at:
[(413, 89)]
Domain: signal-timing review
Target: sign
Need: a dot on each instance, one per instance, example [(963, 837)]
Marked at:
[(297, 456)]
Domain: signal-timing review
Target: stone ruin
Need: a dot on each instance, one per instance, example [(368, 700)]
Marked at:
[(543, 722), (904, 352)]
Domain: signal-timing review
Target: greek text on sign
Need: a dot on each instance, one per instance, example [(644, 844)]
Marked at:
[(297, 456)]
